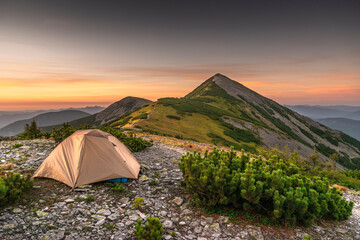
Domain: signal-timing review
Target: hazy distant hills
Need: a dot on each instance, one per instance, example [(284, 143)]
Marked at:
[(317, 112), (343, 118), (354, 115), (224, 112), (348, 126), (7, 117), (42, 120)]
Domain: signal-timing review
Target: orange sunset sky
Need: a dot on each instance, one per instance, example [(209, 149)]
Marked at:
[(57, 56)]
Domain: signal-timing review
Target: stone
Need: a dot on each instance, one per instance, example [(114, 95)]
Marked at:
[(113, 216), (60, 234), (104, 212), (186, 212), (255, 232), (182, 223), (69, 200), (36, 223), (121, 210), (9, 226), (341, 230), (163, 213), (51, 226), (100, 222), (133, 217), (198, 230), (143, 178), (178, 201), (41, 213), (142, 215), (17, 210), (145, 166), (98, 217), (167, 224)]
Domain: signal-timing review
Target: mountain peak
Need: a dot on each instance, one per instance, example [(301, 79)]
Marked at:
[(231, 87), (119, 108)]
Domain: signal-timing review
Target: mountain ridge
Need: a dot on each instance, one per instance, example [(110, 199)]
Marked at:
[(223, 111)]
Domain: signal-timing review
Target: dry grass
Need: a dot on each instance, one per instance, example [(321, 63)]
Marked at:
[(341, 188)]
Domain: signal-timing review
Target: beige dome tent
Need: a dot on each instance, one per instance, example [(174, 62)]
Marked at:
[(89, 156)]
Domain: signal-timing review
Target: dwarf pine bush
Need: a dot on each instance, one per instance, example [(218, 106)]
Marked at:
[(13, 186), (153, 229), (275, 187)]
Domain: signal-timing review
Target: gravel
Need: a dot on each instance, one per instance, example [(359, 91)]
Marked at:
[(52, 211)]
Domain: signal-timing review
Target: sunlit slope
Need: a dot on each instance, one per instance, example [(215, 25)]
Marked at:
[(224, 112)]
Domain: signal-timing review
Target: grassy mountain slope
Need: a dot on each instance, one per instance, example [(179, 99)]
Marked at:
[(224, 112)]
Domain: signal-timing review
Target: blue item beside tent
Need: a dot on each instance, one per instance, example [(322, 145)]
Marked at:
[(117, 180)]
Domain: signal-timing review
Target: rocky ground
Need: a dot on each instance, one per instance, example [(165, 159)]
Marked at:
[(51, 211)]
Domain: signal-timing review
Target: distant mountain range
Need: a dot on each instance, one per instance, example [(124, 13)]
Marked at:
[(7, 117), (348, 126), (317, 112), (343, 118), (43, 120)]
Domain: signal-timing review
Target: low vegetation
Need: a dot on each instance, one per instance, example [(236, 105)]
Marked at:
[(134, 143), (152, 230), (138, 203), (278, 187), (31, 131), (13, 186), (173, 117)]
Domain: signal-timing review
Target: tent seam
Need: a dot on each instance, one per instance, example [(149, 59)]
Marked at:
[(80, 161)]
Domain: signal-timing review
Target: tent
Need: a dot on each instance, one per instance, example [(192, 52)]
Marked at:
[(89, 156)]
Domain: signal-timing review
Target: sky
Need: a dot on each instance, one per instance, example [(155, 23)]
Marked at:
[(56, 54)]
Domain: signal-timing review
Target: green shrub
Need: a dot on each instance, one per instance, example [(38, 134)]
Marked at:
[(65, 131), (117, 187), (79, 199), (141, 116), (352, 141), (123, 122), (3, 190), (173, 117), (16, 145), (307, 237), (13, 186), (31, 131), (138, 202), (153, 229), (240, 135), (276, 187), (109, 226), (327, 151), (89, 198), (153, 183)]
